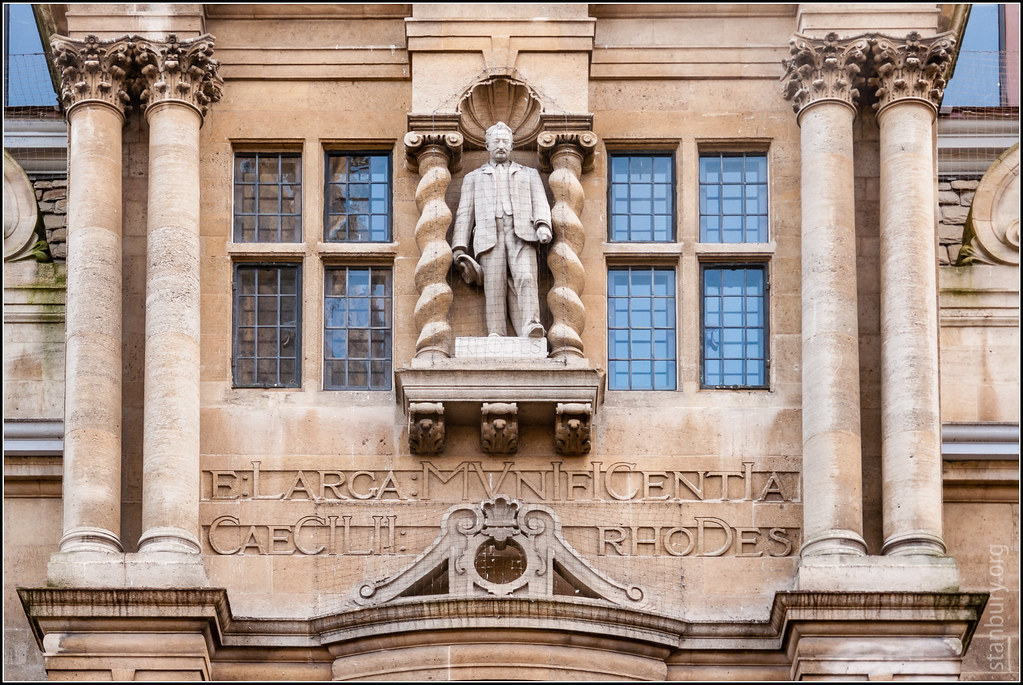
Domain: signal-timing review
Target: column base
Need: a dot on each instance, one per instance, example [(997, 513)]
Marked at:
[(90, 540), (877, 574), (104, 570), (169, 539), (834, 542), (916, 543)]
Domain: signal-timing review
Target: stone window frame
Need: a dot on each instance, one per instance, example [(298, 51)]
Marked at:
[(721, 254), (314, 254)]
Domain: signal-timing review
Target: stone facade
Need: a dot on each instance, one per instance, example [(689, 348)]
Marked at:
[(481, 507)]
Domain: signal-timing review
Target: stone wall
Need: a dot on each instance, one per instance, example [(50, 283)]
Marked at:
[(954, 199), (52, 197)]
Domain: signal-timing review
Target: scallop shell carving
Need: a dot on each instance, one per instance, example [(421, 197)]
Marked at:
[(500, 99)]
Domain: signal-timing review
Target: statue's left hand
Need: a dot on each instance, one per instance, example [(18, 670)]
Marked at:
[(543, 234)]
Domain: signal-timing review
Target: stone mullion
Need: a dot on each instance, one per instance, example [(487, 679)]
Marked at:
[(822, 76), (909, 80), (179, 78), (433, 155), (568, 155), (94, 76)]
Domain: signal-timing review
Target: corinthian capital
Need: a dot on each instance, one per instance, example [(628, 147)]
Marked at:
[(94, 69), (911, 67), (827, 69), (182, 70)]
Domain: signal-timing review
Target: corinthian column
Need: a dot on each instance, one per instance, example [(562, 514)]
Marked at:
[(910, 80), (181, 81), (821, 79), (568, 153), (94, 75), (433, 155)]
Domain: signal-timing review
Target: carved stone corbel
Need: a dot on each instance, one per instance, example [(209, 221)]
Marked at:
[(566, 148), (499, 428), (434, 155), (911, 68), (572, 428), (426, 427), (828, 69), (179, 70), (95, 70)]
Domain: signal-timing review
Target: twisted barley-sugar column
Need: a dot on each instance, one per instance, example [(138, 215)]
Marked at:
[(93, 74), (568, 154), (910, 79), (820, 78), (432, 155), (176, 73)]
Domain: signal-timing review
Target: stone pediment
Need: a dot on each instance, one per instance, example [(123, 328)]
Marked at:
[(501, 547)]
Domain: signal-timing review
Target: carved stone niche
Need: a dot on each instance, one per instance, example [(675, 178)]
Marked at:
[(500, 547), (500, 98)]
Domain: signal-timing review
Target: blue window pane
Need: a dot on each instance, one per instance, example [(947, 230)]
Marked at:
[(358, 198), (357, 328), (640, 199), (641, 328), (734, 326), (733, 198)]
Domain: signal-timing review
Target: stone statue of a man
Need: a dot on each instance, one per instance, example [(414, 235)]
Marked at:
[(504, 209)]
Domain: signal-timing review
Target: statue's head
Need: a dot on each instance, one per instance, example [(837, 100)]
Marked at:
[(499, 142)]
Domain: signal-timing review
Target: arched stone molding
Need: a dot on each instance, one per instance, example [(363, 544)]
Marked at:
[(501, 548), (21, 212), (500, 98), (992, 228)]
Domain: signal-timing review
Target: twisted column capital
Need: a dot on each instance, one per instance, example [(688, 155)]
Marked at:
[(418, 143), (179, 70), (582, 143), (828, 69), (911, 68), (94, 70)]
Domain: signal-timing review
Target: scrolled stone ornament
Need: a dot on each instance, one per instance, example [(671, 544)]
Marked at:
[(94, 70), (913, 67), (828, 69), (181, 70)]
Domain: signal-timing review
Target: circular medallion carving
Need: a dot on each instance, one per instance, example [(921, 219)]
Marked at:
[(500, 565), (500, 99)]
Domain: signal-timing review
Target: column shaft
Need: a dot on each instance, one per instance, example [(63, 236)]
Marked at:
[(910, 416), (92, 400), (832, 510), (170, 508)]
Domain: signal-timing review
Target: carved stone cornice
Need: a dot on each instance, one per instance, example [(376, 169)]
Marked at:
[(179, 70), (95, 70), (828, 69), (911, 68)]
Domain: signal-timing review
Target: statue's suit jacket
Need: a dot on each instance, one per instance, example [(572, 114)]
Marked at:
[(477, 208)]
